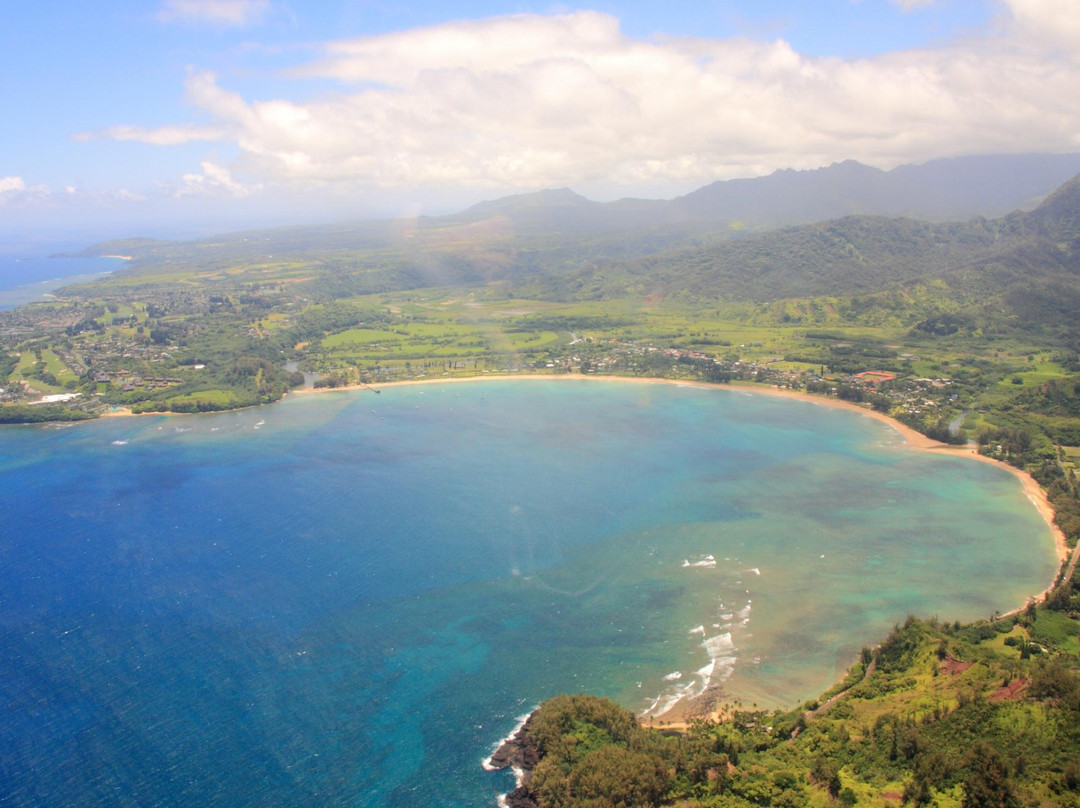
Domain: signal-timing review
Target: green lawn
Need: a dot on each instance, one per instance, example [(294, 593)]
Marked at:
[(215, 397), (57, 367), (356, 337), (1037, 374)]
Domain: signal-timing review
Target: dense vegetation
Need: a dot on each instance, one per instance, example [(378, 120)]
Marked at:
[(982, 715), (1015, 273)]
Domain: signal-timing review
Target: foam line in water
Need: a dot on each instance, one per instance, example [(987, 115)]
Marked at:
[(521, 719)]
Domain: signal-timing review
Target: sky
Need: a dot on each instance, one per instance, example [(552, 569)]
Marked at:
[(178, 118)]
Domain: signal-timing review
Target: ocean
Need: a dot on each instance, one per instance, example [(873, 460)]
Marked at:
[(26, 280), (347, 599)]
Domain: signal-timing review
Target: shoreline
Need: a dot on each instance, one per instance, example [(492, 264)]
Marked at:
[(713, 703), (912, 439)]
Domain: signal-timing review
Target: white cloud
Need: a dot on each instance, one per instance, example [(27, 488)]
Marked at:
[(161, 136), (16, 195), (215, 12), (1049, 20), (530, 101), (214, 180), (911, 5), (15, 192), (11, 185)]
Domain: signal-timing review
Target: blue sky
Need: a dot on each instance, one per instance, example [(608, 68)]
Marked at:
[(183, 116)]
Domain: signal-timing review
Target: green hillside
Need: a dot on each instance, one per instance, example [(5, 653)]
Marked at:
[(939, 714)]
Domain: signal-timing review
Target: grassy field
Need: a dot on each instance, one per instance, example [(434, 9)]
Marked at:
[(56, 366), (25, 370), (219, 398), (452, 328), (1034, 373)]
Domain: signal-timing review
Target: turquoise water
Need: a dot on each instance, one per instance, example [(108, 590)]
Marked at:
[(347, 599)]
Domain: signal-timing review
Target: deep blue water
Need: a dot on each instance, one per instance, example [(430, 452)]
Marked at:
[(347, 599), (23, 280)]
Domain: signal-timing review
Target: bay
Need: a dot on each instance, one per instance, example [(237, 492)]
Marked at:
[(348, 598), (32, 279)]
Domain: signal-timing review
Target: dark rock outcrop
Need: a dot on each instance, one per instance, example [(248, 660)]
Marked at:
[(520, 753)]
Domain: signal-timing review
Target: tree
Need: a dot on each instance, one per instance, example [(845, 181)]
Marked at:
[(989, 784), (616, 777), (826, 772)]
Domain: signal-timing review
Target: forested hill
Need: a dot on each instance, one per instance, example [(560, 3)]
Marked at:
[(1026, 262), (1059, 216), (853, 255), (558, 231), (938, 715)]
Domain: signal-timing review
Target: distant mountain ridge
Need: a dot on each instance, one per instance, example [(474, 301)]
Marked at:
[(940, 190), (557, 245), (951, 189), (948, 189), (1018, 271)]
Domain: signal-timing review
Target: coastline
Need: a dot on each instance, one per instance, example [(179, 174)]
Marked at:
[(713, 703), (912, 439)]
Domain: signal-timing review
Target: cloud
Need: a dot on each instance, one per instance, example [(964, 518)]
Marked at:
[(214, 180), (16, 195), (15, 192), (215, 12), (11, 185), (912, 5), (530, 101), (1049, 20), (161, 136)]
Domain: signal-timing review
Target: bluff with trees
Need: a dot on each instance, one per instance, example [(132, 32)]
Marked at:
[(940, 714)]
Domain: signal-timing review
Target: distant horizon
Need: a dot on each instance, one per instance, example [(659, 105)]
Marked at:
[(45, 243), (183, 117)]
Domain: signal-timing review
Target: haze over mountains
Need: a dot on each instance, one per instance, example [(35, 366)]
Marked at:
[(869, 231), (940, 190), (847, 256)]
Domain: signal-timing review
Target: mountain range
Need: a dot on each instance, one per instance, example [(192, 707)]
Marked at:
[(941, 190), (1019, 268), (1020, 271)]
